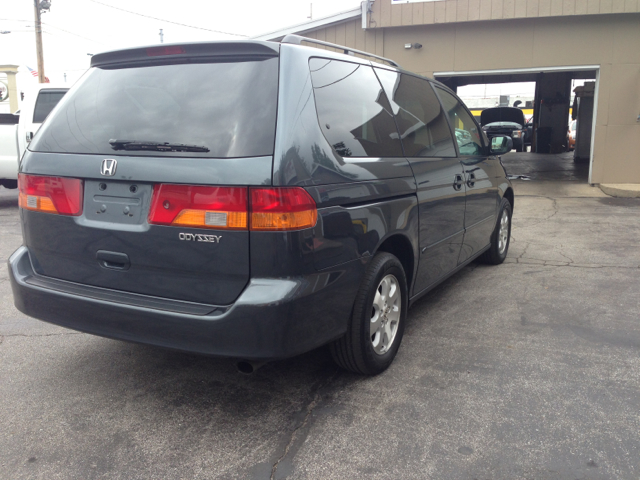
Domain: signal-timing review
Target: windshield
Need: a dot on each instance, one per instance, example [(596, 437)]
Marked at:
[(228, 109)]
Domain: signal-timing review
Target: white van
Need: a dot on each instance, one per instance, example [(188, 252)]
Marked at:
[(16, 131)]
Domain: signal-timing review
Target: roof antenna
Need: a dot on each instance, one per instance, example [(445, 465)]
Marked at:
[(310, 17)]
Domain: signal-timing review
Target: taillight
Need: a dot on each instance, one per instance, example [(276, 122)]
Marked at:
[(282, 209), (199, 206), (50, 194), (228, 207)]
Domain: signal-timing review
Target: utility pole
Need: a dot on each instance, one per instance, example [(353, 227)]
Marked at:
[(161, 36), (36, 9)]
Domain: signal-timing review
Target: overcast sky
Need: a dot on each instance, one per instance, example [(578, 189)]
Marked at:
[(74, 28)]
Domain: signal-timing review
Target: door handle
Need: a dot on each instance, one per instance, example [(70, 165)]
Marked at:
[(471, 180), (113, 260), (457, 183)]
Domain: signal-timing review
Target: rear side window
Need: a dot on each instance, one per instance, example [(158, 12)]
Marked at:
[(421, 120), (467, 133), (229, 108), (353, 110), (45, 103)]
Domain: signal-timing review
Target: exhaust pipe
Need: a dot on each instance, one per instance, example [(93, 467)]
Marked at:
[(247, 367)]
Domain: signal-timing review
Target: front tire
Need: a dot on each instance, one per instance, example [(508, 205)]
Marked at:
[(500, 237), (377, 321)]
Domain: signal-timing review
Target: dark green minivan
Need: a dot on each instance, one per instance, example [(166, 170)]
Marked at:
[(254, 200)]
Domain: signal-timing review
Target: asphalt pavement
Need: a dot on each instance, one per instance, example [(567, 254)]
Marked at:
[(527, 370)]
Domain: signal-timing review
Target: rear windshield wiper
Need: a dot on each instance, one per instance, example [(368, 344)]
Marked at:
[(155, 146)]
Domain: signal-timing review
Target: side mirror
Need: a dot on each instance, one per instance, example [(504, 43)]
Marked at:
[(501, 145)]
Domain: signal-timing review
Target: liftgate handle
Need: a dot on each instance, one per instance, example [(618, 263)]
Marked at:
[(113, 260)]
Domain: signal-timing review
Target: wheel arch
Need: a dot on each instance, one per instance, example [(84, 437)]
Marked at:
[(509, 195), (400, 246)]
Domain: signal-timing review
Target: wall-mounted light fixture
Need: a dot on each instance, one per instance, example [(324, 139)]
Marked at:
[(409, 46)]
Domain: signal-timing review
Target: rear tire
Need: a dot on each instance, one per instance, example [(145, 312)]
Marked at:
[(10, 184), (377, 320), (500, 237)]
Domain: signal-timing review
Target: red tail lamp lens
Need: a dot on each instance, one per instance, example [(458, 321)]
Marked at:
[(51, 194), (199, 206), (159, 51), (282, 209)]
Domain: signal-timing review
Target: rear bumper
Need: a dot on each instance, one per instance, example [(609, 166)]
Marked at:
[(272, 318)]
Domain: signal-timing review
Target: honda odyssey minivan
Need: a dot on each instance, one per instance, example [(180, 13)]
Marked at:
[(254, 200)]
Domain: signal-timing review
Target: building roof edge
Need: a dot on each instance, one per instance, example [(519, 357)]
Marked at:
[(302, 27)]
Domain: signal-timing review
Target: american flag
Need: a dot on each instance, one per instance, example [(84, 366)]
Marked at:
[(35, 74)]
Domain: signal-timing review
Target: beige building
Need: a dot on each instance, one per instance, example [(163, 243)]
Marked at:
[(488, 41)]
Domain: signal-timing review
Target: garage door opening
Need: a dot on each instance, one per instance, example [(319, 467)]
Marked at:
[(547, 98)]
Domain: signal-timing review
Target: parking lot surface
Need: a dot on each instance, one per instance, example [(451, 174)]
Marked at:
[(526, 370)]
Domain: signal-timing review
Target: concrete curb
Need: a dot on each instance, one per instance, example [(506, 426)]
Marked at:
[(624, 190)]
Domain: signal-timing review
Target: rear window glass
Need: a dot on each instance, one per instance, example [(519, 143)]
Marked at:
[(353, 110), (228, 108), (45, 103)]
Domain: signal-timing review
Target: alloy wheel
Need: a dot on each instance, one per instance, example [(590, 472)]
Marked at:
[(503, 234), (385, 314)]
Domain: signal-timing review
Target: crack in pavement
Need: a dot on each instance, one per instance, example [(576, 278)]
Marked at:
[(317, 397), (524, 251), (43, 335), (554, 205), (555, 208), (565, 256), (555, 263)]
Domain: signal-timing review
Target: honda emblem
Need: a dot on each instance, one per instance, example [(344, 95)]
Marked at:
[(108, 167)]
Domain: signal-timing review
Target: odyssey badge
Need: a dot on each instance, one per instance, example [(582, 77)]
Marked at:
[(198, 237)]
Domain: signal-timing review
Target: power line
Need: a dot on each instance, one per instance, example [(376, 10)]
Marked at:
[(168, 21), (71, 33), (49, 25)]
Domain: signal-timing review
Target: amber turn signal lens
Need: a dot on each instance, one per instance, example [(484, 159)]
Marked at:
[(282, 209), (284, 221), (39, 204)]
